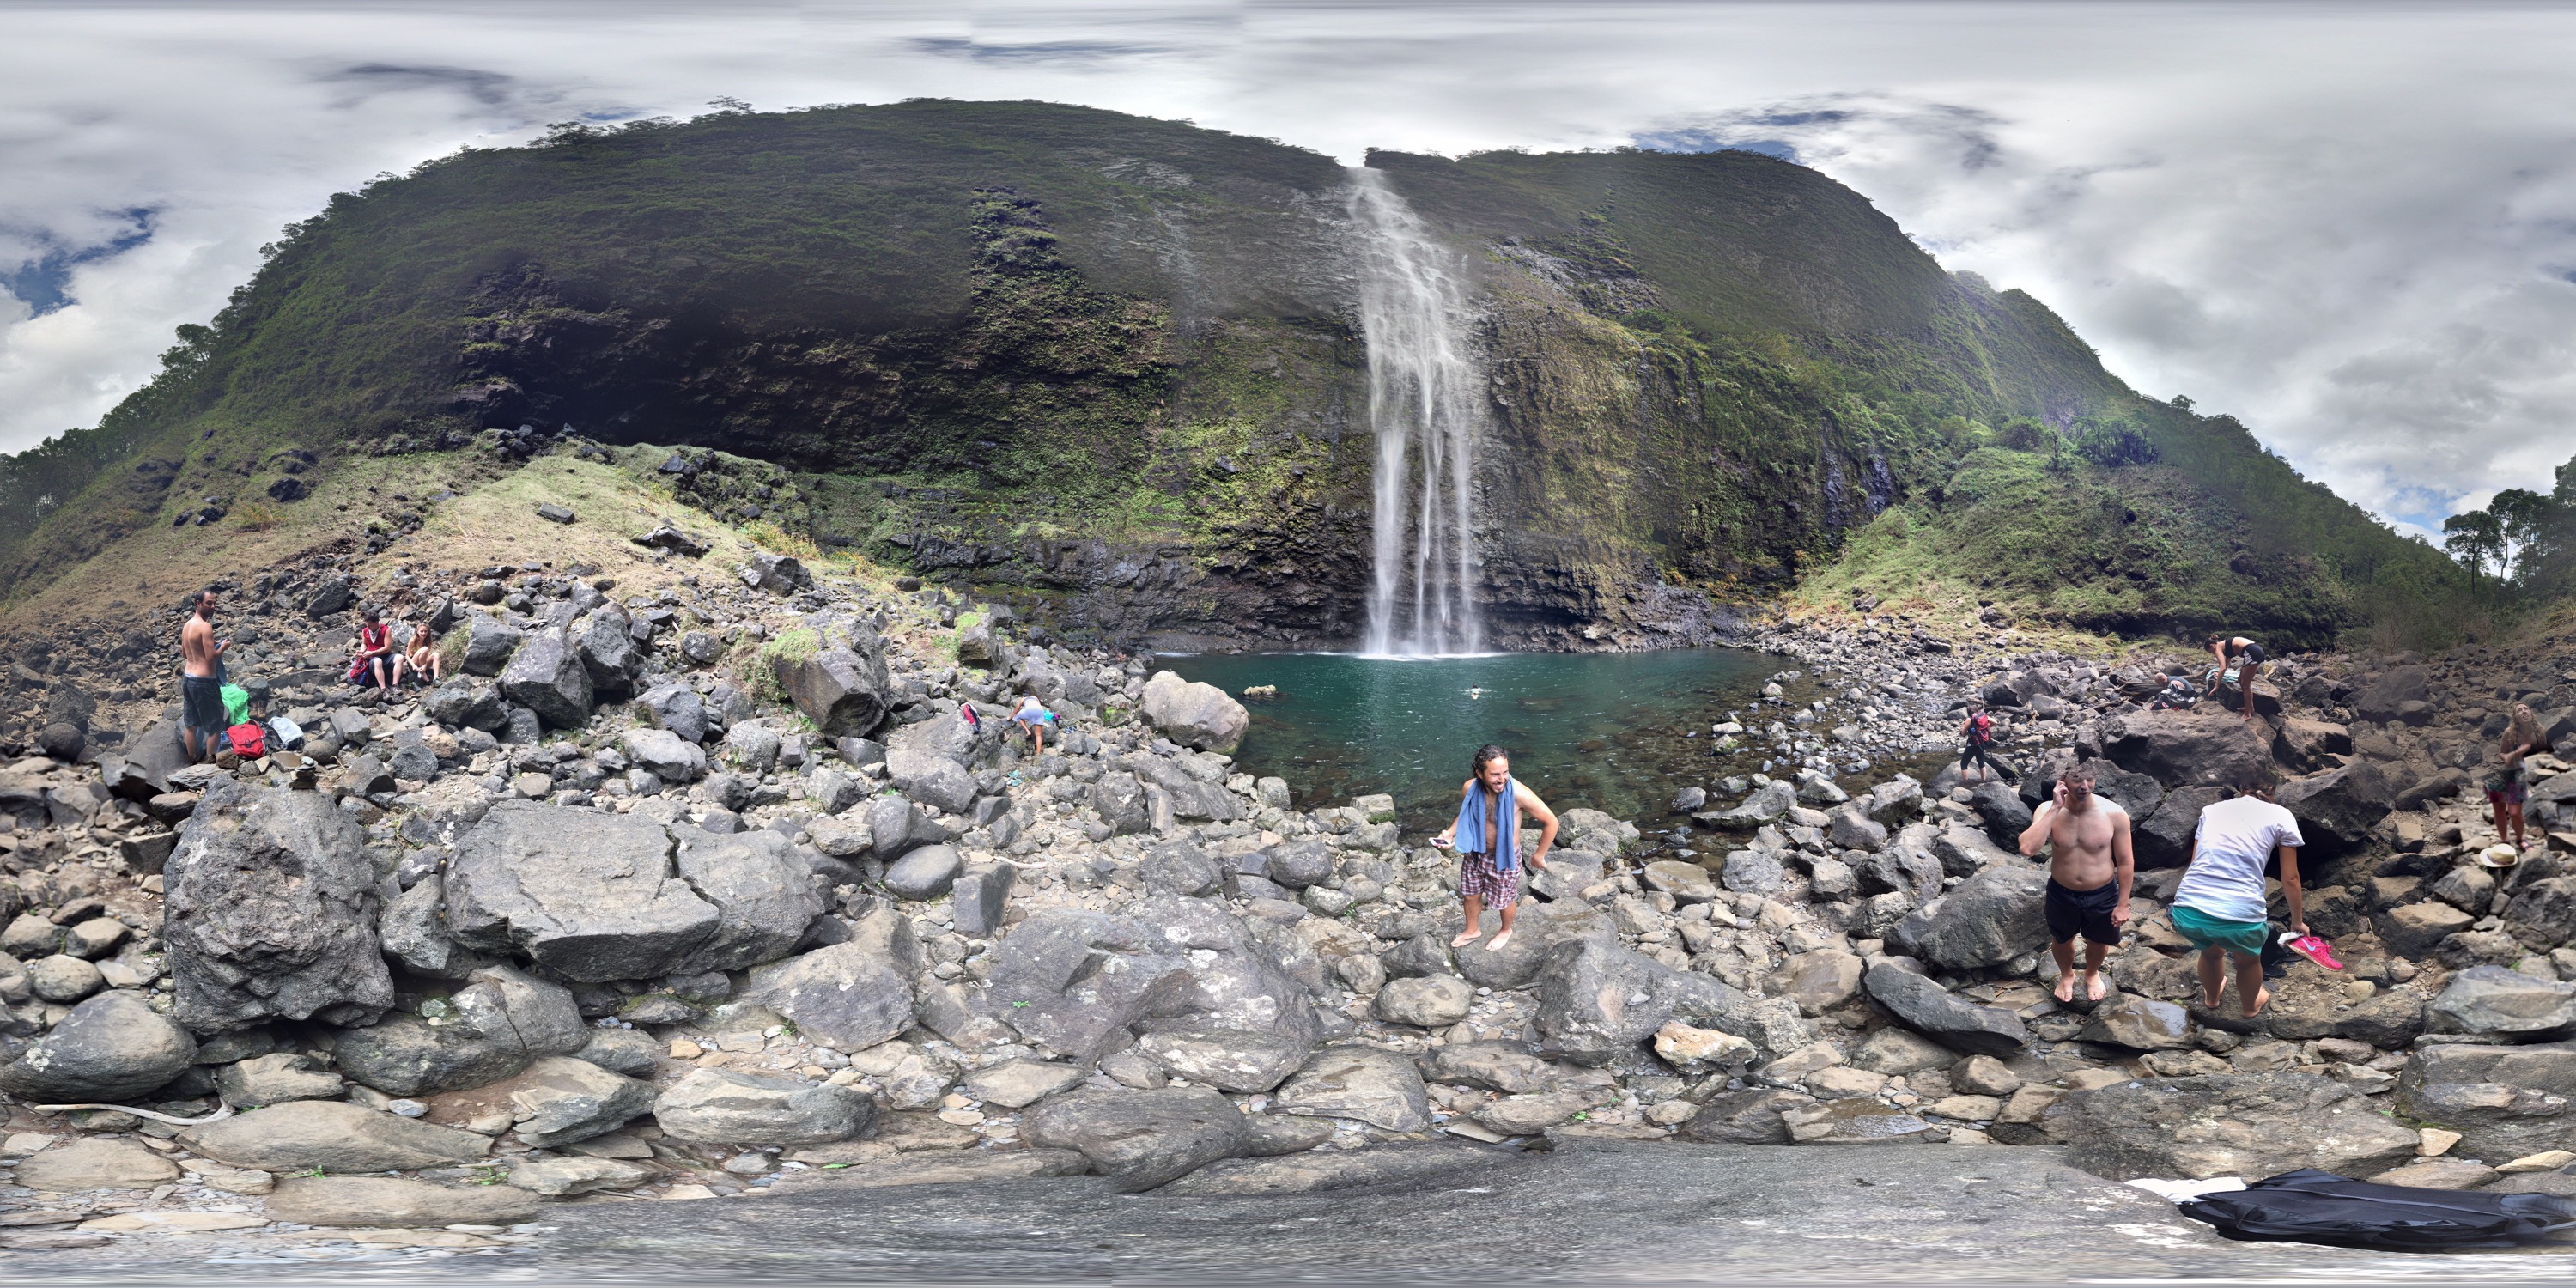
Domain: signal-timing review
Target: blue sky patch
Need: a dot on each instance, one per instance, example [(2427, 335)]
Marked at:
[(44, 282)]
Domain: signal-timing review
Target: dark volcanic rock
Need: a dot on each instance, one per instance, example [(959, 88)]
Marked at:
[(271, 912), (1943, 1016)]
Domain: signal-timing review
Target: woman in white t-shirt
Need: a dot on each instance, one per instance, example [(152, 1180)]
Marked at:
[(2220, 905)]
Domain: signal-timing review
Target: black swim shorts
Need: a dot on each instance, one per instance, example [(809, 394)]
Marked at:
[(2085, 911)]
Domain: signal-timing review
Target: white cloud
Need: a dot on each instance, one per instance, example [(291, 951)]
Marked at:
[(2350, 225)]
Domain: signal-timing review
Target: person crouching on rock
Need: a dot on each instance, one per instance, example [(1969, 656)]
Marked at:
[(2090, 871), (1487, 836), (2240, 663), (2219, 907)]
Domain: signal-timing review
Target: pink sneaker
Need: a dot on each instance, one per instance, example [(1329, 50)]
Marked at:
[(2312, 948)]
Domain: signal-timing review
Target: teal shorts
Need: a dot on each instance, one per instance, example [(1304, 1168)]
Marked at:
[(2244, 938)]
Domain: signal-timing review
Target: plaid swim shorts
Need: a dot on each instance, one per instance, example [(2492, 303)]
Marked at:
[(1478, 879)]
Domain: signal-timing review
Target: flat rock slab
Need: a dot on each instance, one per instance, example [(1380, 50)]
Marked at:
[(1315, 1172), (371, 1201), (333, 1135), (96, 1164), (961, 1168)]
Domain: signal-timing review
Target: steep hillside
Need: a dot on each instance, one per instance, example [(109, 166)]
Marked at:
[(1111, 368)]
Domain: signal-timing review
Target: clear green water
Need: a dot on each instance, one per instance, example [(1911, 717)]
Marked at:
[(1605, 731)]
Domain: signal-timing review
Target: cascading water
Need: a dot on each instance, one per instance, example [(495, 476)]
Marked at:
[(1425, 407)]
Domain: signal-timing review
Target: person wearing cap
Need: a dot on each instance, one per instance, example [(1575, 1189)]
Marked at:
[(2220, 906)]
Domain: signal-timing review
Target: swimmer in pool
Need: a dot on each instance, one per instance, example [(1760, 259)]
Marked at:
[(1473, 694)]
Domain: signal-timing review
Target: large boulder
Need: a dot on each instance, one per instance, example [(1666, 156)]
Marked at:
[(488, 644), (932, 779), (546, 676), (499, 1023), (2338, 808), (664, 754), (843, 691), (1140, 1139), (605, 641), (1944, 1016), (728, 1107), (461, 703), (567, 1100), (851, 995), (1764, 804), (331, 1136), (2243, 1124), (926, 873), (2495, 1001), (1377, 1087), (112, 1048), (762, 890), (589, 895), (1989, 919), (679, 709), (2164, 838), (1070, 980), (1194, 715), (2185, 748), (2543, 914), (2398, 694), (897, 827), (2496, 1121), (2547, 1066), (1599, 1003), (271, 910)]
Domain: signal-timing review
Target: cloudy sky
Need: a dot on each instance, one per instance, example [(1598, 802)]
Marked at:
[(2352, 225)]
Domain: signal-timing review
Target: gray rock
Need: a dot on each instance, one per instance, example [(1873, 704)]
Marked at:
[(1816, 981), (586, 894), (488, 645), (414, 764), (1194, 715), (1017, 1084), (981, 897), (724, 1106), (63, 978), (558, 1177), (92, 1163), (1297, 864), (1425, 1001), (561, 1100), (1531, 1114), (1425, 954), (1943, 1016), (1850, 829), (333, 1136), (110, 1049), (2244, 1124), (1764, 804), (2549, 1067), (1376, 1087), (664, 754), (2001, 809), (380, 1201), (1750, 1117), (931, 779), (844, 692), (498, 1024), (2496, 1121), (2500, 1002), (1753, 872), (1507, 1067), (628, 1051), (275, 1079), (754, 747), (2201, 747), (897, 827), (2543, 913), (851, 995), (413, 932), (1275, 1135), (1685, 882), (461, 703), (678, 709), (777, 574), (2338, 808), (1895, 1052), (926, 873), (605, 642), (1235, 1060), (762, 891), (1121, 803), (271, 910), (1069, 980), (1140, 1139), (2385, 697), (2139, 1023), (1178, 867), (1599, 1003), (546, 676), (1989, 919)]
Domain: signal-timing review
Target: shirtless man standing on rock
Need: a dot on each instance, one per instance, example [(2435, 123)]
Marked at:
[(2090, 870)]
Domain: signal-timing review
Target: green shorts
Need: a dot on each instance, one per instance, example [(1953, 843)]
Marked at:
[(2244, 938)]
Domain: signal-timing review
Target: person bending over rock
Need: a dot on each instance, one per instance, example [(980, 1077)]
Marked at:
[(1487, 836), (2506, 789), (2219, 907), (2240, 660), (202, 719), (2090, 870)]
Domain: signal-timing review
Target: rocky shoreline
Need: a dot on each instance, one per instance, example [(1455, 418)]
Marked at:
[(703, 886)]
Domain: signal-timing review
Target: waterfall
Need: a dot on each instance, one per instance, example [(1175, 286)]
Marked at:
[(1425, 407)]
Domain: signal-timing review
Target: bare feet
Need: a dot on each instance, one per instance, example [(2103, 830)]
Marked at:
[(1465, 939), (2066, 986), (2261, 996), (2094, 989), (1499, 941)]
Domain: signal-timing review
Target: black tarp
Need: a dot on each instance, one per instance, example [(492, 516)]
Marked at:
[(2310, 1206)]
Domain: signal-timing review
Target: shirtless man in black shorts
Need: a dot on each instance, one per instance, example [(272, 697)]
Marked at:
[(2090, 870)]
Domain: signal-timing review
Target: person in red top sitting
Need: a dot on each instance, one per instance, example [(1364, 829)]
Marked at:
[(377, 656)]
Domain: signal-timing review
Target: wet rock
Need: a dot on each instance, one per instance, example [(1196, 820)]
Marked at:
[(2246, 1124), (377, 1202), (1194, 715), (1376, 1087), (724, 1106), (590, 895), (271, 912), (1989, 919), (2500, 1002), (1750, 1117), (1943, 1016), (110, 1049), (2139, 1023), (1140, 1139), (334, 1136)]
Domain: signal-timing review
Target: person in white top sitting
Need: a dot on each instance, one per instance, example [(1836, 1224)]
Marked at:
[(2220, 905)]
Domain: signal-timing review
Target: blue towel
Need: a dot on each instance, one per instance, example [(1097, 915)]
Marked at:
[(1470, 833)]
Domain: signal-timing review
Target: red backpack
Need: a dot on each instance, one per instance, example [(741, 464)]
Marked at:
[(1980, 727), (248, 742)]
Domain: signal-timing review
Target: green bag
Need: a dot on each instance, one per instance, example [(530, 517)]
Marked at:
[(236, 704)]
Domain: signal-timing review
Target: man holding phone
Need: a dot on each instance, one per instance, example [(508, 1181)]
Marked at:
[(1487, 836), (202, 720), (2091, 868)]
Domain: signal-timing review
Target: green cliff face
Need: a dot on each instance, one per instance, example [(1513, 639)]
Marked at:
[(1111, 368)]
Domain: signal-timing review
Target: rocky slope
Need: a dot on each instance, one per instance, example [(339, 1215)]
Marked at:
[(1111, 370), (698, 884)]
